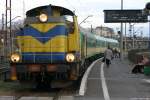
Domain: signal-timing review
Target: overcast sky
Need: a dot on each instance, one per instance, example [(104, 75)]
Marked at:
[(83, 8)]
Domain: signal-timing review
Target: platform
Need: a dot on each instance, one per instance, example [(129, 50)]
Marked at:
[(116, 82)]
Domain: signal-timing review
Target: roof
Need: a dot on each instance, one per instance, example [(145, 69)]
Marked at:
[(63, 11)]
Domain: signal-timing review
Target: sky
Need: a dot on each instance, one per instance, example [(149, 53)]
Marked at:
[(82, 8)]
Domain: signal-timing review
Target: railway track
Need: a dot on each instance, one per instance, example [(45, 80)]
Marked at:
[(17, 91), (56, 94), (4, 71)]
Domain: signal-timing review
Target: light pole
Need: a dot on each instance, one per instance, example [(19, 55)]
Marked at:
[(7, 35), (121, 35), (2, 22), (13, 19), (133, 35), (149, 31), (85, 19), (125, 39), (131, 31), (6, 39), (147, 12)]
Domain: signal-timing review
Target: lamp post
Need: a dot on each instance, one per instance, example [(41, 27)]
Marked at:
[(125, 39), (7, 40), (7, 35), (149, 31), (2, 22), (131, 33), (147, 12), (133, 36), (121, 35), (85, 19), (13, 19)]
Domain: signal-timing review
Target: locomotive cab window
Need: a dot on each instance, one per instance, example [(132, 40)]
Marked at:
[(70, 23)]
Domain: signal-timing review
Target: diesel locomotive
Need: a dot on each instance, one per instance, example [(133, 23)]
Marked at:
[(51, 46)]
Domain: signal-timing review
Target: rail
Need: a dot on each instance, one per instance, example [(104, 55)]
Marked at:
[(4, 71)]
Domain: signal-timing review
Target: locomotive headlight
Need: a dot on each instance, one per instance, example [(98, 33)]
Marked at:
[(70, 57), (43, 17), (15, 57)]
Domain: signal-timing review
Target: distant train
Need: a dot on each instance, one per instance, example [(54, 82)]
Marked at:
[(51, 46)]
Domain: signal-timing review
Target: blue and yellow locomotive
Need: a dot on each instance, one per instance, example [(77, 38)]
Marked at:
[(50, 46)]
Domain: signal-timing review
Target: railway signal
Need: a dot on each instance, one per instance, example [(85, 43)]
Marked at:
[(146, 10), (148, 6)]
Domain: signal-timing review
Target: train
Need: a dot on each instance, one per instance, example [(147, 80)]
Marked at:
[(51, 46)]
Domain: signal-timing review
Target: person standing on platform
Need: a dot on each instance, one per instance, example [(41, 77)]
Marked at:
[(108, 55), (116, 53)]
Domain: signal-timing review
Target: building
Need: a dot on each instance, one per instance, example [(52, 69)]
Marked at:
[(105, 31)]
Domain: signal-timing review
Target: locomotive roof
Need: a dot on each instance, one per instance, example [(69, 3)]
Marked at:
[(63, 11)]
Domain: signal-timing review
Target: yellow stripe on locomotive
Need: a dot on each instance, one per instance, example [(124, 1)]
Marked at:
[(45, 27), (31, 44)]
